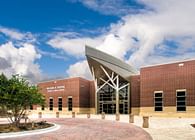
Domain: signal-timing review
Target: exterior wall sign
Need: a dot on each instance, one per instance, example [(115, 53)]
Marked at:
[(55, 88)]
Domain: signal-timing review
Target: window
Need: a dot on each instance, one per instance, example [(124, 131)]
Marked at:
[(31, 107), (158, 101), (69, 103), (181, 100), (60, 103), (42, 107), (50, 103)]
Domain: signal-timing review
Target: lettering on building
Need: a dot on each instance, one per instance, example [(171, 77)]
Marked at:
[(55, 88)]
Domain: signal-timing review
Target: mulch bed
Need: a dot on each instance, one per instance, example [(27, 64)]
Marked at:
[(5, 128)]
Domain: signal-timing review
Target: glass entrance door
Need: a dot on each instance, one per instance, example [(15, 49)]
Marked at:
[(109, 108), (107, 100), (123, 108)]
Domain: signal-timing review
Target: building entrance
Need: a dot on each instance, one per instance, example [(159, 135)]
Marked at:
[(107, 100), (109, 108)]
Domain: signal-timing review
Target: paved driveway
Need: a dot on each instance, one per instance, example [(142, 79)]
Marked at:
[(90, 129)]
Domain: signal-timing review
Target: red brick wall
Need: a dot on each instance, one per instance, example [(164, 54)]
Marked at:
[(84, 97), (167, 78), (71, 89), (135, 91), (92, 94)]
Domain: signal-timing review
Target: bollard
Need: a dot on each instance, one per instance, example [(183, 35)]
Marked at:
[(57, 114), (73, 114), (33, 124), (131, 118), (145, 122), (103, 115), (117, 116), (88, 115), (26, 119), (40, 114)]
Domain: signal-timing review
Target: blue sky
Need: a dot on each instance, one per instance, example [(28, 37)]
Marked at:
[(48, 37), (43, 16)]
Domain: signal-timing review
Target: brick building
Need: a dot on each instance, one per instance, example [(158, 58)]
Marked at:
[(160, 90), (67, 95), (168, 89)]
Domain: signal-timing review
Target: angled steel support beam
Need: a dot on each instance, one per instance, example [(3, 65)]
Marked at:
[(102, 85), (117, 94), (107, 82), (123, 86), (107, 75), (96, 92)]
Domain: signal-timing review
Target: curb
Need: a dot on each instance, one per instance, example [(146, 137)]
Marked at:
[(31, 132)]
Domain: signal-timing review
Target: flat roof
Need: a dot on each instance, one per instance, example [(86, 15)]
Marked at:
[(60, 79), (168, 63)]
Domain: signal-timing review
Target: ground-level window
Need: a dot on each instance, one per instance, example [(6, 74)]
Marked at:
[(181, 100), (50, 103), (60, 103), (42, 107), (69, 103), (158, 101), (31, 107)]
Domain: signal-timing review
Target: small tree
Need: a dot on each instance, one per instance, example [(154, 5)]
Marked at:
[(3, 89), (16, 97)]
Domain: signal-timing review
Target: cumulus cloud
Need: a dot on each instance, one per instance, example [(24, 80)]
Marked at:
[(73, 46), (80, 69), (115, 45), (153, 29), (164, 34), (20, 61), (3, 63)]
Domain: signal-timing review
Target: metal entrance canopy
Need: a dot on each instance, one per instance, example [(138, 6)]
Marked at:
[(111, 77)]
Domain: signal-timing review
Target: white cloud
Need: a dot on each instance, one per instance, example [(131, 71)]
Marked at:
[(11, 33), (52, 55), (20, 61), (79, 69), (167, 22), (140, 39), (111, 7), (113, 45), (73, 46), (16, 35)]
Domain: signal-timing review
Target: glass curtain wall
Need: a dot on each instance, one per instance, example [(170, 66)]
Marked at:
[(107, 99)]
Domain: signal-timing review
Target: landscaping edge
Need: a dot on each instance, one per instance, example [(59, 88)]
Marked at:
[(30, 132)]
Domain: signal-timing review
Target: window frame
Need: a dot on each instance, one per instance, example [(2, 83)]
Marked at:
[(43, 107), (61, 104), (51, 109), (181, 90), (70, 97), (31, 107), (162, 97)]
